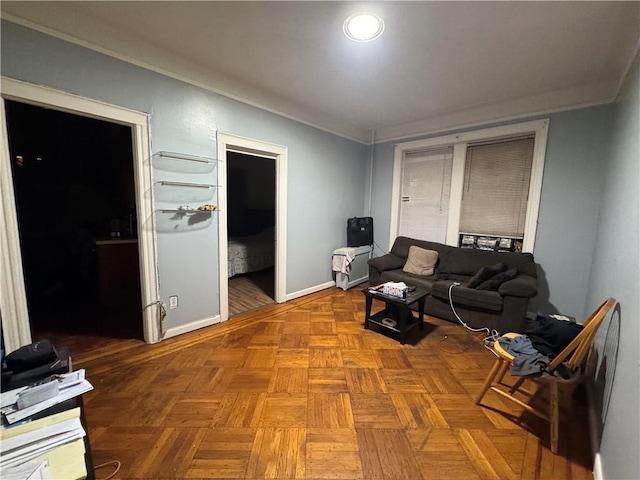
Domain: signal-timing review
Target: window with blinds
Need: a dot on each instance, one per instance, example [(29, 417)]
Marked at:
[(496, 187), (425, 193)]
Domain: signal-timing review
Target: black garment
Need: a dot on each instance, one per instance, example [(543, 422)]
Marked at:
[(550, 336)]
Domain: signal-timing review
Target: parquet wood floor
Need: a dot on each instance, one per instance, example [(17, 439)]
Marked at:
[(301, 391), (251, 291)]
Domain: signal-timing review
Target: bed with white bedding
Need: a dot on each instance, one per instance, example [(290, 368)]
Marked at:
[(251, 253)]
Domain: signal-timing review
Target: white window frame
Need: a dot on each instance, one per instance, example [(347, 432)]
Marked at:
[(459, 142), (13, 304)]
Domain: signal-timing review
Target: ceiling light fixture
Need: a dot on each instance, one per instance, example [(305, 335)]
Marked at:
[(363, 27)]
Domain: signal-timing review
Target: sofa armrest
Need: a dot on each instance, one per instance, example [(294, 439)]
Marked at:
[(521, 286), (386, 262)]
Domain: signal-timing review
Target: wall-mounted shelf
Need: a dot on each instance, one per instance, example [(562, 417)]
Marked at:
[(179, 220), (183, 192), (179, 162)]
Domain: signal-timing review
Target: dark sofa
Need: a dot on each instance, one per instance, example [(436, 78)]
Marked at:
[(503, 310)]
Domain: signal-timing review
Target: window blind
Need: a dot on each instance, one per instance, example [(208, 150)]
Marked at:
[(496, 187), (425, 192)]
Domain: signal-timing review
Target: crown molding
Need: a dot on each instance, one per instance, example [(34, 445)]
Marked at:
[(168, 64)]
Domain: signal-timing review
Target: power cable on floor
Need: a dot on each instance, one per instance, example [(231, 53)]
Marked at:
[(105, 464)]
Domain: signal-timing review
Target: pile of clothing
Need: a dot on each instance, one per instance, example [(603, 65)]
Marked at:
[(540, 344)]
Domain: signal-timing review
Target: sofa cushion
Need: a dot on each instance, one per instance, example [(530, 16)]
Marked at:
[(485, 273), (470, 297), (521, 286), (420, 261), (386, 262), (495, 281), (467, 261), (401, 246)]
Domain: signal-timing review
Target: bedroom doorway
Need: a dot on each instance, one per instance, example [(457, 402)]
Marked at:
[(252, 224), (251, 201)]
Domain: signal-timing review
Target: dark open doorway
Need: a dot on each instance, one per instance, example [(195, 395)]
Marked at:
[(75, 200), (251, 204)]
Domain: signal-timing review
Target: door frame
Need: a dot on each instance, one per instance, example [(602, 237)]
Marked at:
[(13, 304), (232, 143)]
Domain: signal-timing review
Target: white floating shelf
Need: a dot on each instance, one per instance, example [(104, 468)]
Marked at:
[(179, 162), (183, 192)]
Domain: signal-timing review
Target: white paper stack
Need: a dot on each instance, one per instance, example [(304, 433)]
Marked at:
[(69, 385), (50, 447)]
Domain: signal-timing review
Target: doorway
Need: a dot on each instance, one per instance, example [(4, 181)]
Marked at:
[(74, 190), (274, 158), (13, 303), (251, 202)]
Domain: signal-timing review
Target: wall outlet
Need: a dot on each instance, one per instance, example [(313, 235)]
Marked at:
[(173, 301)]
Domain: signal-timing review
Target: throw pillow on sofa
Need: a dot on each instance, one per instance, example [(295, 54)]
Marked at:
[(485, 273), (494, 282), (420, 261)]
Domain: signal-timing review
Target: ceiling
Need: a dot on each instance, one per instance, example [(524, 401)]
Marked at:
[(438, 65)]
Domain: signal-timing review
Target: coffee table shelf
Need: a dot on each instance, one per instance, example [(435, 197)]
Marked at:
[(397, 309)]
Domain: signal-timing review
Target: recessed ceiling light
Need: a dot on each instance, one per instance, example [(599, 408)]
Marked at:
[(363, 27)]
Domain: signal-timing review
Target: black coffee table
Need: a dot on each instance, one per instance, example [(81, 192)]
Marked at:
[(396, 309)]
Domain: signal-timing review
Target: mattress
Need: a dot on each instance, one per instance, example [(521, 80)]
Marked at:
[(251, 253)]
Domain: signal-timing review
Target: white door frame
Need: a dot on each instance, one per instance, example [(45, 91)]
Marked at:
[(13, 304), (227, 142)]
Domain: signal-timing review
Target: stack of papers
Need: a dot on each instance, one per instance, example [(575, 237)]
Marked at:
[(50, 447), (69, 385)]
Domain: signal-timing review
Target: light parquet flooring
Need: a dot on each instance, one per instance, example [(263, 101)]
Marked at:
[(302, 391), (250, 291)]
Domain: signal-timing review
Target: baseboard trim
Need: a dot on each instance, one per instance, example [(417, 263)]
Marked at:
[(308, 291), (189, 327), (340, 283), (594, 434), (597, 467)]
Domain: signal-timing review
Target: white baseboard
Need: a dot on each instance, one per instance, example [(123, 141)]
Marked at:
[(346, 285), (597, 467), (594, 434), (307, 291), (189, 327)]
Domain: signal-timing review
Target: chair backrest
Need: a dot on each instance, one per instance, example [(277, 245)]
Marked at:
[(575, 352)]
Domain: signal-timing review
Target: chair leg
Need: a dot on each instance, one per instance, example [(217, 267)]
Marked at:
[(554, 415), (516, 386), (503, 370), (489, 380)]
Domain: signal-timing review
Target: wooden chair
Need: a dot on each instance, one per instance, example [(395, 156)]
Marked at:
[(573, 356)]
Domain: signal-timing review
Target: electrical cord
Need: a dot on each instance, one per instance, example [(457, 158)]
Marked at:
[(461, 348), (105, 464), (163, 314), (491, 335), (375, 244)]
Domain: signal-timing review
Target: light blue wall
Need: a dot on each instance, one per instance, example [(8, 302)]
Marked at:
[(616, 272), (587, 243), (571, 192), (326, 173)]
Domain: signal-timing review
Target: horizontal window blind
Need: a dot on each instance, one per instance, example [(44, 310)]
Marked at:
[(496, 187), (425, 192)]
